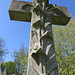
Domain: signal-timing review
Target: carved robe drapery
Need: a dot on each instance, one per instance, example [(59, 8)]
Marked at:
[(42, 57)]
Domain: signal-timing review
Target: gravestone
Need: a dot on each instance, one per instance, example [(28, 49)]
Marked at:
[(2, 70), (41, 14)]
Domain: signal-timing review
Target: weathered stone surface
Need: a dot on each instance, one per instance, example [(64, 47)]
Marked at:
[(59, 15), (42, 57), (20, 11), (2, 70), (0, 67)]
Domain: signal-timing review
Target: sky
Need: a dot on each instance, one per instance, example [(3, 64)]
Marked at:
[(16, 33)]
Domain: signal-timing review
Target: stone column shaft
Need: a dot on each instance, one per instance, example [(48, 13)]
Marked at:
[(42, 57)]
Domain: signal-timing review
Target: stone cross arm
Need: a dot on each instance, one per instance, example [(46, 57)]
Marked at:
[(21, 11)]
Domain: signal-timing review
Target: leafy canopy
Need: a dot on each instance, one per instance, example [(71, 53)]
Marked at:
[(64, 37), (10, 67)]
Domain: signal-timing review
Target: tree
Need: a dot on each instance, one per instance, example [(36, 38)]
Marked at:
[(3, 49), (64, 37), (21, 60), (10, 67)]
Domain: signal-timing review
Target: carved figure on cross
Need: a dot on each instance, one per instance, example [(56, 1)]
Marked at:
[(41, 14)]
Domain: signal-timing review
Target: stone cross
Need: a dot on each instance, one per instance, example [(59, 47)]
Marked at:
[(41, 14)]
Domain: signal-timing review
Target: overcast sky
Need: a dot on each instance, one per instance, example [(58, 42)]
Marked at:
[(16, 33)]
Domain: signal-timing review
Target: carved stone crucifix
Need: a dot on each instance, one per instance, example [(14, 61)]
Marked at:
[(41, 14)]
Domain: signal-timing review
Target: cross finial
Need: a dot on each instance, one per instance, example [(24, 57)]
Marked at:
[(55, 4)]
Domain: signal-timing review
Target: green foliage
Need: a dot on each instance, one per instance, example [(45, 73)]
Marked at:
[(10, 67), (21, 60), (64, 37), (3, 49)]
